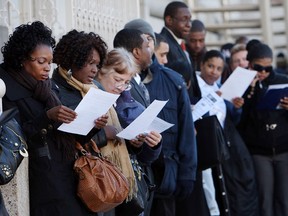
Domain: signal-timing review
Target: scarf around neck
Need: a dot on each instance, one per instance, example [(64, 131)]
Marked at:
[(41, 89), (83, 88), (116, 153)]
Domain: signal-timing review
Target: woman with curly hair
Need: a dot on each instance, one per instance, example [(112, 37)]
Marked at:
[(79, 56), (28, 56)]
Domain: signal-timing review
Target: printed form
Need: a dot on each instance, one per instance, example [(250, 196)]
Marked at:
[(146, 122), (93, 105)]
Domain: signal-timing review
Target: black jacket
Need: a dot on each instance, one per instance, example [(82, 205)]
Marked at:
[(177, 54), (256, 125), (52, 183)]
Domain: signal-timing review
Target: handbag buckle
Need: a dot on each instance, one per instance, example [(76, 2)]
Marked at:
[(23, 152), (270, 127)]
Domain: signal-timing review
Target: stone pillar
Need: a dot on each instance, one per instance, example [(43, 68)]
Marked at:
[(3, 38), (16, 192)]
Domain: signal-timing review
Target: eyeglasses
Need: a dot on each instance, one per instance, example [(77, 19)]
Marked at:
[(183, 19), (125, 86), (260, 68)]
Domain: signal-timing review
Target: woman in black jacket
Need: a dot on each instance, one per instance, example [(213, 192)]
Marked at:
[(264, 130), (28, 56)]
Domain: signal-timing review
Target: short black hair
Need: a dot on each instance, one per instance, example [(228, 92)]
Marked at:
[(259, 51), (74, 49), (128, 39), (159, 38), (251, 43), (212, 54), (23, 41), (197, 26), (172, 8), (226, 46)]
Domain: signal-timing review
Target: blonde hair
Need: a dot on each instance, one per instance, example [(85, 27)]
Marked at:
[(237, 48), (120, 61)]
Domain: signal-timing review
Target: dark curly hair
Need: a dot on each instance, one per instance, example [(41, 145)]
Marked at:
[(23, 41), (74, 49)]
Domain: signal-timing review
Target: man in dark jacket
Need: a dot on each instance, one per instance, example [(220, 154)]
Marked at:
[(177, 20), (175, 170)]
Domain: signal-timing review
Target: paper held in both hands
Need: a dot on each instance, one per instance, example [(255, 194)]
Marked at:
[(93, 105), (97, 103), (146, 122), (234, 86)]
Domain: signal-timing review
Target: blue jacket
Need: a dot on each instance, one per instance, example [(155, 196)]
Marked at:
[(179, 142)]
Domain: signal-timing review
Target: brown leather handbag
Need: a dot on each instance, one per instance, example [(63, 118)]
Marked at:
[(101, 185)]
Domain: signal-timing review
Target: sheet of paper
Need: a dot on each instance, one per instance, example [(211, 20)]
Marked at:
[(237, 83), (143, 123), (204, 105), (95, 104), (158, 125)]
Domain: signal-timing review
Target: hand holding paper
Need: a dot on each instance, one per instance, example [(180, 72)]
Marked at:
[(146, 122), (95, 104), (237, 83), (204, 105)]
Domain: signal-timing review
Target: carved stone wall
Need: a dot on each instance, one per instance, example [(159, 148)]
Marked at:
[(104, 17)]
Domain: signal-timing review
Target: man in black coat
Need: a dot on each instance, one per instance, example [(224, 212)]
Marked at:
[(177, 19)]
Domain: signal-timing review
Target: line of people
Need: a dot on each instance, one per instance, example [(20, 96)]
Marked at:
[(142, 66)]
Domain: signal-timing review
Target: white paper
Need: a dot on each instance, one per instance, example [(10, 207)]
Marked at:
[(93, 105), (146, 122), (237, 83), (158, 125), (204, 105)]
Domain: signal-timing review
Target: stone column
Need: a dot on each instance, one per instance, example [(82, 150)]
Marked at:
[(16, 192)]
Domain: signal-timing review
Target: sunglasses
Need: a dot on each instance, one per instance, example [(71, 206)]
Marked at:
[(260, 68)]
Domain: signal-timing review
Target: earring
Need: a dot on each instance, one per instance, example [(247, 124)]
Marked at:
[(69, 73)]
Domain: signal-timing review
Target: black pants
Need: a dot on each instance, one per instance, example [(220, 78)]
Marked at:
[(194, 205)]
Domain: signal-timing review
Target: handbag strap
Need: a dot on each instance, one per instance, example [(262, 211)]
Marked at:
[(94, 146), (85, 150)]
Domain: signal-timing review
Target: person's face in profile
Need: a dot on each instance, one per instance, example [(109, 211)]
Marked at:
[(150, 42), (38, 64), (263, 67), (161, 53), (90, 69), (144, 54)]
